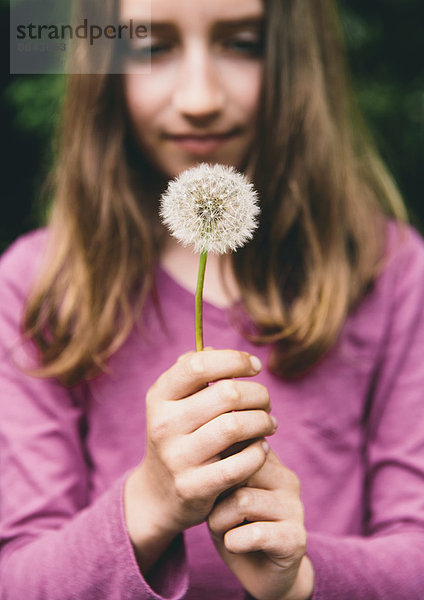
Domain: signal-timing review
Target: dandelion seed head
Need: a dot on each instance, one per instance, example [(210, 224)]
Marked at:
[(214, 208)]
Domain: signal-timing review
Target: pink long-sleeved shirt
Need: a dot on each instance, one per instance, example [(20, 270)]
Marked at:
[(352, 430)]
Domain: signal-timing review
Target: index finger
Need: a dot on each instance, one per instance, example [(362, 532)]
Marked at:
[(194, 370)]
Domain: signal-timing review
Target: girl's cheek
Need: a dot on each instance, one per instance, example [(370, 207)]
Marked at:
[(150, 91), (140, 95), (243, 82)]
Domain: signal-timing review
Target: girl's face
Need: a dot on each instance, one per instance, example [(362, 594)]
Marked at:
[(199, 102)]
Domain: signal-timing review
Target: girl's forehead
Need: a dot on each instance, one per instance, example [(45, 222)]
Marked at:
[(178, 10)]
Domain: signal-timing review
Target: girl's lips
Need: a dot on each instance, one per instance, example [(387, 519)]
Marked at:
[(201, 144)]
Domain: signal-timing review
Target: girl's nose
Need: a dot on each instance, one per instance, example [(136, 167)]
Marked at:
[(198, 92)]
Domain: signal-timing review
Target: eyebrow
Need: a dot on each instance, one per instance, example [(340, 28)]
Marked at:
[(246, 22), (254, 23), (224, 24)]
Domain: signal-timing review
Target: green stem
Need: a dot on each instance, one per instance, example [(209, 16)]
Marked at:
[(199, 301)]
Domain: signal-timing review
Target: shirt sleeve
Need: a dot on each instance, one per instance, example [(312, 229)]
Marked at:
[(387, 563), (54, 544)]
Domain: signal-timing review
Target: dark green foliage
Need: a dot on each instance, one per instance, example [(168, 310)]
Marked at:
[(36, 101), (385, 44)]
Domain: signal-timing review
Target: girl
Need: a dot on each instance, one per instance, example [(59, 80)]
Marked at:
[(119, 473)]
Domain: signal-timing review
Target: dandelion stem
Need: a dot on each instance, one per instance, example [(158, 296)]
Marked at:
[(199, 302)]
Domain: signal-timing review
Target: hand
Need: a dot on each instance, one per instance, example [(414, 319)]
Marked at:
[(258, 531), (189, 425)]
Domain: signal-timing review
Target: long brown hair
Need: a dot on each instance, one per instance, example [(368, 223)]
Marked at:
[(323, 192)]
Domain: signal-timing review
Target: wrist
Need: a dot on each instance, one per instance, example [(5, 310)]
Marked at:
[(146, 525), (303, 587)]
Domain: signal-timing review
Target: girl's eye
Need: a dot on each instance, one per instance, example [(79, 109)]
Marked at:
[(153, 50), (159, 48), (251, 46)]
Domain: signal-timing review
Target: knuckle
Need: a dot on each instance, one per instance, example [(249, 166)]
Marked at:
[(182, 488), (228, 393), (172, 457), (189, 366), (229, 427), (256, 535), (158, 428), (242, 498), (294, 536), (194, 365), (226, 475)]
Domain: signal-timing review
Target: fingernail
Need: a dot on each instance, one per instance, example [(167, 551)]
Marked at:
[(265, 446), (274, 421), (256, 363)]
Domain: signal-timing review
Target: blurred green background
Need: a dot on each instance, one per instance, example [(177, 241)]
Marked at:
[(385, 42)]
